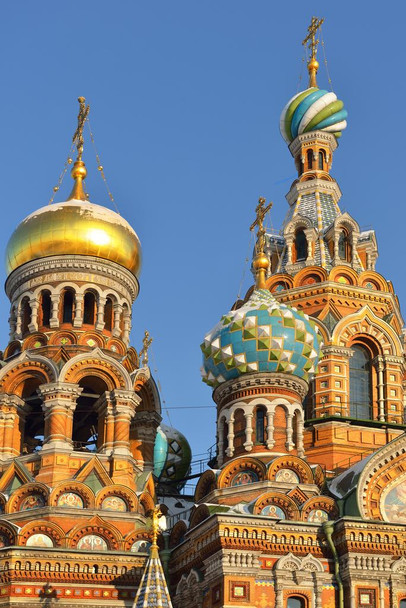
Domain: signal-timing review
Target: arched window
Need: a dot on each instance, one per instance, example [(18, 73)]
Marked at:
[(322, 157), (89, 305), (301, 245), (344, 247), (108, 315), (45, 309), (67, 306), (360, 383), (25, 315), (309, 159), (295, 601), (402, 604), (239, 429), (85, 418), (33, 425), (260, 425)]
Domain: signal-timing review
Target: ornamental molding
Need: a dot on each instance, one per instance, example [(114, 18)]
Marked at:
[(313, 186), (292, 563), (263, 381), (52, 269), (342, 351)]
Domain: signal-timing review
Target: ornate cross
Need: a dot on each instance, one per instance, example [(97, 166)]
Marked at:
[(146, 343), (261, 212), (311, 36), (82, 116)]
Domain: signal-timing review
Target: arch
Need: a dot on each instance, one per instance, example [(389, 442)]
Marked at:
[(360, 396), (344, 275), (35, 340), (96, 364), (67, 305), (63, 337), (108, 314), (26, 365), (376, 279), (310, 275), (284, 280), (319, 503), (177, 533), (309, 159), (279, 500), (300, 246), (344, 245), (205, 485), (242, 464), (140, 534), (298, 465), (198, 514), (89, 307), (74, 487), (147, 502), (47, 528), (120, 491), (45, 308), (321, 160), (25, 313), (8, 534), (36, 493), (96, 527)]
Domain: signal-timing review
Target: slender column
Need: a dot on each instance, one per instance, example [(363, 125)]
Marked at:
[(59, 403), (127, 327), (11, 409), (270, 442), (379, 365), (289, 432), (19, 322), (248, 431), (100, 313), (230, 437), (34, 304), (54, 320), (12, 322), (104, 408), (117, 310), (299, 434), (78, 320), (220, 441), (124, 405), (289, 243)]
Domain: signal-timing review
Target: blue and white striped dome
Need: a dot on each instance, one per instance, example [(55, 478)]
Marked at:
[(313, 110)]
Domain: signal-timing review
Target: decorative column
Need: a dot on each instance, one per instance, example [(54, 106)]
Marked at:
[(289, 432), (117, 311), (54, 320), (11, 409), (230, 437), (59, 403), (379, 365), (220, 441), (127, 326), (248, 431), (289, 244), (78, 320), (13, 323), (19, 323), (124, 405), (299, 434), (33, 326), (100, 313), (270, 441)]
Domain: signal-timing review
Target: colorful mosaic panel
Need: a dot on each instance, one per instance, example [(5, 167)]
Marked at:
[(140, 546), (273, 511), (287, 476), (3, 541), (34, 501), (114, 503), (261, 336), (71, 500), (394, 503), (317, 516), (39, 540), (244, 477), (92, 542)]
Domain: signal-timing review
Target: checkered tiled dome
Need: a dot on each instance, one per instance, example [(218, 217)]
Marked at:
[(261, 336)]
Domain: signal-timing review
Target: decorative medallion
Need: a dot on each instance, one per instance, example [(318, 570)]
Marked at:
[(287, 476), (39, 540), (92, 542), (273, 511), (244, 477), (317, 516), (70, 499), (33, 501), (114, 503), (140, 546)]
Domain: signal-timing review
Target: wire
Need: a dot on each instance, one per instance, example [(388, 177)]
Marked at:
[(159, 385), (101, 168), (62, 174), (244, 270), (299, 82), (325, 59)]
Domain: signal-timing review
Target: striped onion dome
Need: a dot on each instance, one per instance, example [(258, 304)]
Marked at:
[(313, 110)]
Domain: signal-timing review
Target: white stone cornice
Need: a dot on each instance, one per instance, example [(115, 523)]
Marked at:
[(307, 187), (260, 379)]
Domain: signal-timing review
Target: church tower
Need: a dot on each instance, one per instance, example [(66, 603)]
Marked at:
[(78, 408)]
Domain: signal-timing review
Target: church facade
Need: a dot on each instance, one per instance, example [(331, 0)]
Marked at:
[(305, 506)]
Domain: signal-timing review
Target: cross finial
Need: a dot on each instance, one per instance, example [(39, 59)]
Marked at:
[(313, 64), (146, 343), (78, 135), (260, 262)]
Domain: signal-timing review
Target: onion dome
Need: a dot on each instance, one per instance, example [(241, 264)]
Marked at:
[(261, 336), (74, 227), (313, 110), (172, 457)]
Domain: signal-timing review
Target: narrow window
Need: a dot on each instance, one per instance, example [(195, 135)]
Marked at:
[(45, 308), (309, 159), (360, 383), (260, 426), (25, 315), (321, 160), (342, 245), (296, 602), (67, 313), (108, 315), (301, 245), (89, 304)]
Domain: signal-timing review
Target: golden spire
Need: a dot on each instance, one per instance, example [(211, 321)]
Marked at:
[(146, 343), (156, 527), (260, 262), (79, 170), (313, 64)]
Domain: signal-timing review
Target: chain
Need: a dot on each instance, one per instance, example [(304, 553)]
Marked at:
[(325, 59), (101, 168), (68, 162)]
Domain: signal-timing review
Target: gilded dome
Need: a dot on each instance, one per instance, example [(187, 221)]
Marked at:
[(74, 227), (261, 336)]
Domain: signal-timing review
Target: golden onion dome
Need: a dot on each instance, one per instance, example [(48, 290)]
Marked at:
[(74, 227)]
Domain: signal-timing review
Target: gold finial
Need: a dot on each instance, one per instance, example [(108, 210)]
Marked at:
[(313, 64), (260, 262), (79, 170), (158, 524), (146, 343)]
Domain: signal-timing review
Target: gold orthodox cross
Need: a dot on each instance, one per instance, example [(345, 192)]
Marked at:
[(82, 116), (146, 343), (261, 212), (311, 36)]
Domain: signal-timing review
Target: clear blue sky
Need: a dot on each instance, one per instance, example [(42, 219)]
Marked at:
[(185, 101)]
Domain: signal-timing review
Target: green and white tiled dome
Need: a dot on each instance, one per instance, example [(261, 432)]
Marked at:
[(261, 336)]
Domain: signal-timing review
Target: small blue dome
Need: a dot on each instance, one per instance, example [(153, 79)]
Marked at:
[(172, 457), (261, 336)]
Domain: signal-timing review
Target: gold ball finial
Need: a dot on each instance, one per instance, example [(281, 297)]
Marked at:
[(79, 170), (81, 99), (260, 262), (313, 64)]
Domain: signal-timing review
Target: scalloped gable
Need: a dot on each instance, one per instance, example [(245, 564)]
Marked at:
[(94, 475), (15, 476)]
